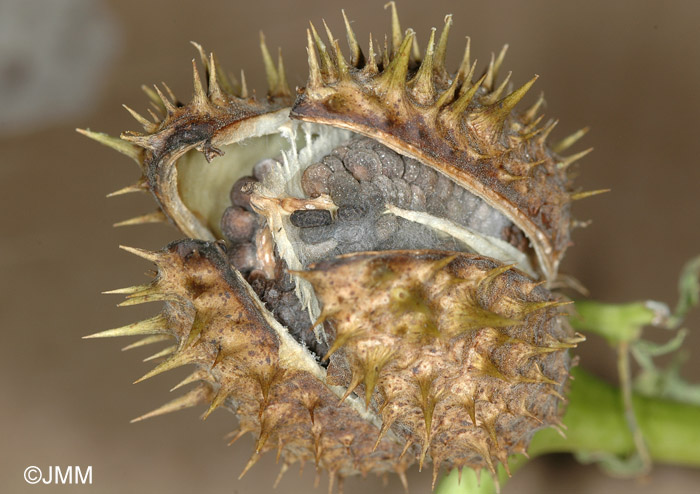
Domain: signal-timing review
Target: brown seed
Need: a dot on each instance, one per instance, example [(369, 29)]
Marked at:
[(385, 227), (417, 198), (372, 196), (412, 169), (363, 164), (487, 220), (361, 143), (443, 187), (286, 281), (338, 154), (291, 313), (351, 213), (403, 193), (321, 250), (427, 180), (437, 202), (343, 188), (238, 225), (309, 218), (314, 181), (316, 235), (455, 209), (257, 279), (240, 198), (243, 257), (333, 161), (264, 167), (386, 188), (392, 164)]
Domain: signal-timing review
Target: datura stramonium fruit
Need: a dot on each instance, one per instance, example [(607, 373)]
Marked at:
[(366, 282)]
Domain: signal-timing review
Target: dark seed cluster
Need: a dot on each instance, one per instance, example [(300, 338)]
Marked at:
[(239, 225), (279, 297), (362, 177)]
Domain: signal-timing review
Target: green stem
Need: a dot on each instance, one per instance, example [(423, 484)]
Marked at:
[(623, 370), (596, 423), (615, 322)]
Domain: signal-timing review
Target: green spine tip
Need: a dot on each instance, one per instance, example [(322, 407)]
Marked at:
[(115, 143)]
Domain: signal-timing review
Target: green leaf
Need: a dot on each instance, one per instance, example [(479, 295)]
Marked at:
[(688, 290)]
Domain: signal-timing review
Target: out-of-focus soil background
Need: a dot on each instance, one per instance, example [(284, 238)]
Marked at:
[(628, 69)]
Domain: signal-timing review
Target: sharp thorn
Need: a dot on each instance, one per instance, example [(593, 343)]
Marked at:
[(145, 254), (492, 97), (460, 105), (441, 51), (270, 70), (129, 290), (465, 65), (153, 96), (170, 92), (357, 59), (198, 375), (139, 186), (396, 34), (199, 99), (315, 78), (193, 398), (115, 143), (163, 353), (214, 90), (244, 86), (282, 85), (202, 55), (499, 62), (422, 84), (169, 106), (569, 141), (152, 296), (403, 479), (583, 195), (371, 66), (148, 340), (141, 140), (154, 217), (253, 460), (394, 76), (546, 130), (509, 102), (217, 401), (147, 125), (177, 360), (154, 326), (283, 469), (568, 160), (531, 112), (327, 67)]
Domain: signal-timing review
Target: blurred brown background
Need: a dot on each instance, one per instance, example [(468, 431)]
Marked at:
[(628, 69)]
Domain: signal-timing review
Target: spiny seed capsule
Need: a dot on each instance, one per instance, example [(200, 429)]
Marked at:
[(365, 278)]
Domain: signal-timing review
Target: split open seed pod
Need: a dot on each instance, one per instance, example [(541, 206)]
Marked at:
[(366, 279)]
